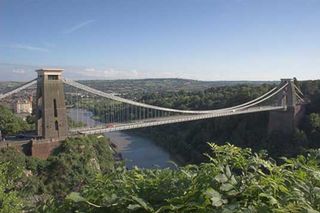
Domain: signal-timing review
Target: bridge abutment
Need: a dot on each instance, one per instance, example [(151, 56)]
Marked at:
[(43, 149)]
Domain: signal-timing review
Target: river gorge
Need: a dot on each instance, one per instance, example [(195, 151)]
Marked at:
[(136, 150)]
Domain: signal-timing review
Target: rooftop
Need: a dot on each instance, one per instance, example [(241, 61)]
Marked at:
[(56, 71)]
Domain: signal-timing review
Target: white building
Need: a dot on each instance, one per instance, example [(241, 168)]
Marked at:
[(23, 106)]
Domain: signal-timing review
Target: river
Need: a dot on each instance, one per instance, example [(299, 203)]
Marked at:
[(135, 150)]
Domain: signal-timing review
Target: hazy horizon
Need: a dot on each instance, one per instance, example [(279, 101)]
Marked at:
[(159, 78)]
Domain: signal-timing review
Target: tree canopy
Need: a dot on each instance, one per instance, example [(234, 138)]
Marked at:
[(11, 124)]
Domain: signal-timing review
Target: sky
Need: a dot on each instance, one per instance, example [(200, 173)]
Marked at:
[(128, 39)]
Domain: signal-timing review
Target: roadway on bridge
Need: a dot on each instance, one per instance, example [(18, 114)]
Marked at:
[(169, 120)]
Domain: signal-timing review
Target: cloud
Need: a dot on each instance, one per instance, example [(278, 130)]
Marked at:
[(28, 47), (78, 26), (90, 69), (19, 71)]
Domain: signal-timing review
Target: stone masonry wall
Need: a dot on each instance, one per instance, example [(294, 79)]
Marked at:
[(43, 149)]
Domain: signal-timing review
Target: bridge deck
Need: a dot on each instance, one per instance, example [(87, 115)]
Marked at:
[(169, 120)]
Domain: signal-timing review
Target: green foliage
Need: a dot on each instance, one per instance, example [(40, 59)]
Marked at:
[(234, 180), (10, 124), (26, 185), (31, 119), (75, 163), (216, 97), (311, 124), (9, 199), (75, 124), (314, 121)]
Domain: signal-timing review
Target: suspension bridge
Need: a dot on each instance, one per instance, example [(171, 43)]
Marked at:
[(120, 113)]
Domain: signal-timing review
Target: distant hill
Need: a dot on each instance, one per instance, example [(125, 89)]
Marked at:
[(9, 85), (125, 87), (160, 85)]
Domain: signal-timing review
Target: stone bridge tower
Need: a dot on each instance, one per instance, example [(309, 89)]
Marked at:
[(286, 121), (51, 110)]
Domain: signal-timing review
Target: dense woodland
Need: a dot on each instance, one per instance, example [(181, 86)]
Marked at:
[(81, 175)]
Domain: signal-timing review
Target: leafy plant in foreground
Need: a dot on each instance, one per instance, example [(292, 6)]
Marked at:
[(235, 180), (9, 200)]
